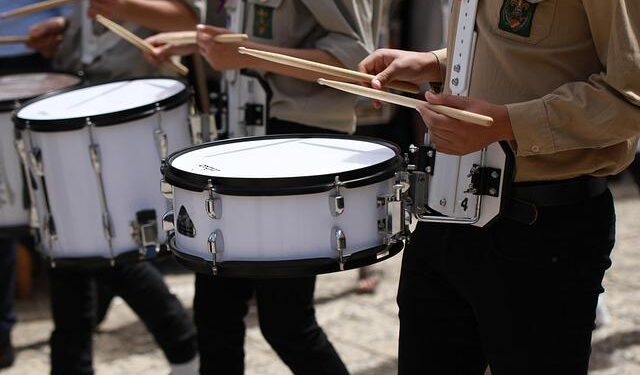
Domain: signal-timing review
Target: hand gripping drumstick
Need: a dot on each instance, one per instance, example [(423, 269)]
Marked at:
[(33, 8), (13, 39), (347, 74), (189, 37), (136, 41), (384, 96)]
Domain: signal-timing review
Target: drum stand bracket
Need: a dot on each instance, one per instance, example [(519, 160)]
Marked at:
[(392, 223)]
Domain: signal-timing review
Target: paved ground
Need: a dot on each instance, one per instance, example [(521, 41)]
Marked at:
[(362, 327)]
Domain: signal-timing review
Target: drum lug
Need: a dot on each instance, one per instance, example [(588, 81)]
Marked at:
[(35, 157), (168, 221), (144, 231), (162, 143), (166, 189), (339, 245), (215, 244), (336, 200), (212, 204)]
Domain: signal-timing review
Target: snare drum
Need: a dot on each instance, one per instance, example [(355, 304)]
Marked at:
[(96, 152), (284, 206), (15, 217)]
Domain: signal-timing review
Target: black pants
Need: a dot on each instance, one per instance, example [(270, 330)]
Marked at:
[(285, 311), (73, 306), (7, 285), (519, 298)]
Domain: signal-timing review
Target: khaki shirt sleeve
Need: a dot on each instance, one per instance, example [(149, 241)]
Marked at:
[(351, 28), (441, 55), (601, 111)]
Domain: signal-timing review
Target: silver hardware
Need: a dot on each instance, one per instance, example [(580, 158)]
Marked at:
[(166, 189), (215, 244), (213, 204), (21, 149), (339, 245), (455, 81), (162, 143), (168, 221), (96, 162), (493, 191), (336, 200), (495, 174), (35, 157), (413, 149), (391, 224), (443, 202), (144, 231), (457, 68), (428, 169)]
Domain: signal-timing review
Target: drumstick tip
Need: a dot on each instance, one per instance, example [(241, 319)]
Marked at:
[(242, 50)]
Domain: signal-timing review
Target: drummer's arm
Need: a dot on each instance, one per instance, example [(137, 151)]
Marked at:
[(165, 15)]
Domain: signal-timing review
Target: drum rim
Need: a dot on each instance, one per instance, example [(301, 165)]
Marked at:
[(10, 105), (284, 268), (252, 186), (107, 119)]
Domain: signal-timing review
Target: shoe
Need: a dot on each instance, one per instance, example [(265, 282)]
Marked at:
[(7, 356), (187, 368)]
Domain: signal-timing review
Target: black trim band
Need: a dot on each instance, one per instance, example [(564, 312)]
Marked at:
[(108, 119), (287, 185), (284, 269), (128, 257)]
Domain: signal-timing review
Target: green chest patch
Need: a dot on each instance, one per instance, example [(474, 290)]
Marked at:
[(516, 17), (263, 22)]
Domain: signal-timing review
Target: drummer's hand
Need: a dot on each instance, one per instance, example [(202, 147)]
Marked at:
[(112, 9), (456, 137), (397, 65), (46, 36), (163, 51), (220, 56)]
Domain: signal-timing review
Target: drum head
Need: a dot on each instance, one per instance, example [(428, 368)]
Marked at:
[(280, 165), (17, 88), (103, 104)]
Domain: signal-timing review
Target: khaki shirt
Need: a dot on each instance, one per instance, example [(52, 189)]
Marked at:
[(347, 29), (120, 60), (571, 82)]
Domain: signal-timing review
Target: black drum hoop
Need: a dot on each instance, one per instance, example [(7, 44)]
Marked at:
[(285, 268), (10, 105), (107, 119), (128, 257), (285, 185)]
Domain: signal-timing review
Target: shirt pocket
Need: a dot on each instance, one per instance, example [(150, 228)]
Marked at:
[(528, 22)]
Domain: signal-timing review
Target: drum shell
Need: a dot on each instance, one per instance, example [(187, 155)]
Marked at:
[(130, 162), (281, 228), (14, 215)]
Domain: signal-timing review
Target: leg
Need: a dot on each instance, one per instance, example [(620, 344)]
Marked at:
[(219, 308), (288, 323), (537, 300), (143, 288), (7, 291), (73, 310), (438, 329)]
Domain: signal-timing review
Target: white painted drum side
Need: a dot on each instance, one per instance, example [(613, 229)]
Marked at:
[(12, 212), (283, 157), (131, 173), (282, 227), (102, 99)]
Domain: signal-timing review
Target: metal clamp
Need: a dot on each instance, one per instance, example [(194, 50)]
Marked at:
[(484, 181), (339, 244), (144, 231), (168, 221), (213, 204), (392, 223), (215, 244), (166, 189), (336, 200)]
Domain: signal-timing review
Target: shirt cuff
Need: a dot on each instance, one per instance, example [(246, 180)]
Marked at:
[(441, 55), (531, 128), (347, 50)]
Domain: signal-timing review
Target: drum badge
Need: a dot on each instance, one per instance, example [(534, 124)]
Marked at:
[(263, 22), (516, 16), (185, 224)]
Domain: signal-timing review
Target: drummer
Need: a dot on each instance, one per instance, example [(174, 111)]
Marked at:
[(339, 33), (77, 43), (562, 81)]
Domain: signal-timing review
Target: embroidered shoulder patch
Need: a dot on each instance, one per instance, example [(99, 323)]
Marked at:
[(516, 17), (263, 22)]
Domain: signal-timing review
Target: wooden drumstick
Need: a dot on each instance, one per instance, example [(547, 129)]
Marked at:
[(384, 96), (13, 39), (335, 71), (189, 37), (33, 8), (137, 41)]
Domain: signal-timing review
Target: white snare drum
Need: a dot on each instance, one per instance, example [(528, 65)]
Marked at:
[(97, 152), (284, 206), (15, 216)]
